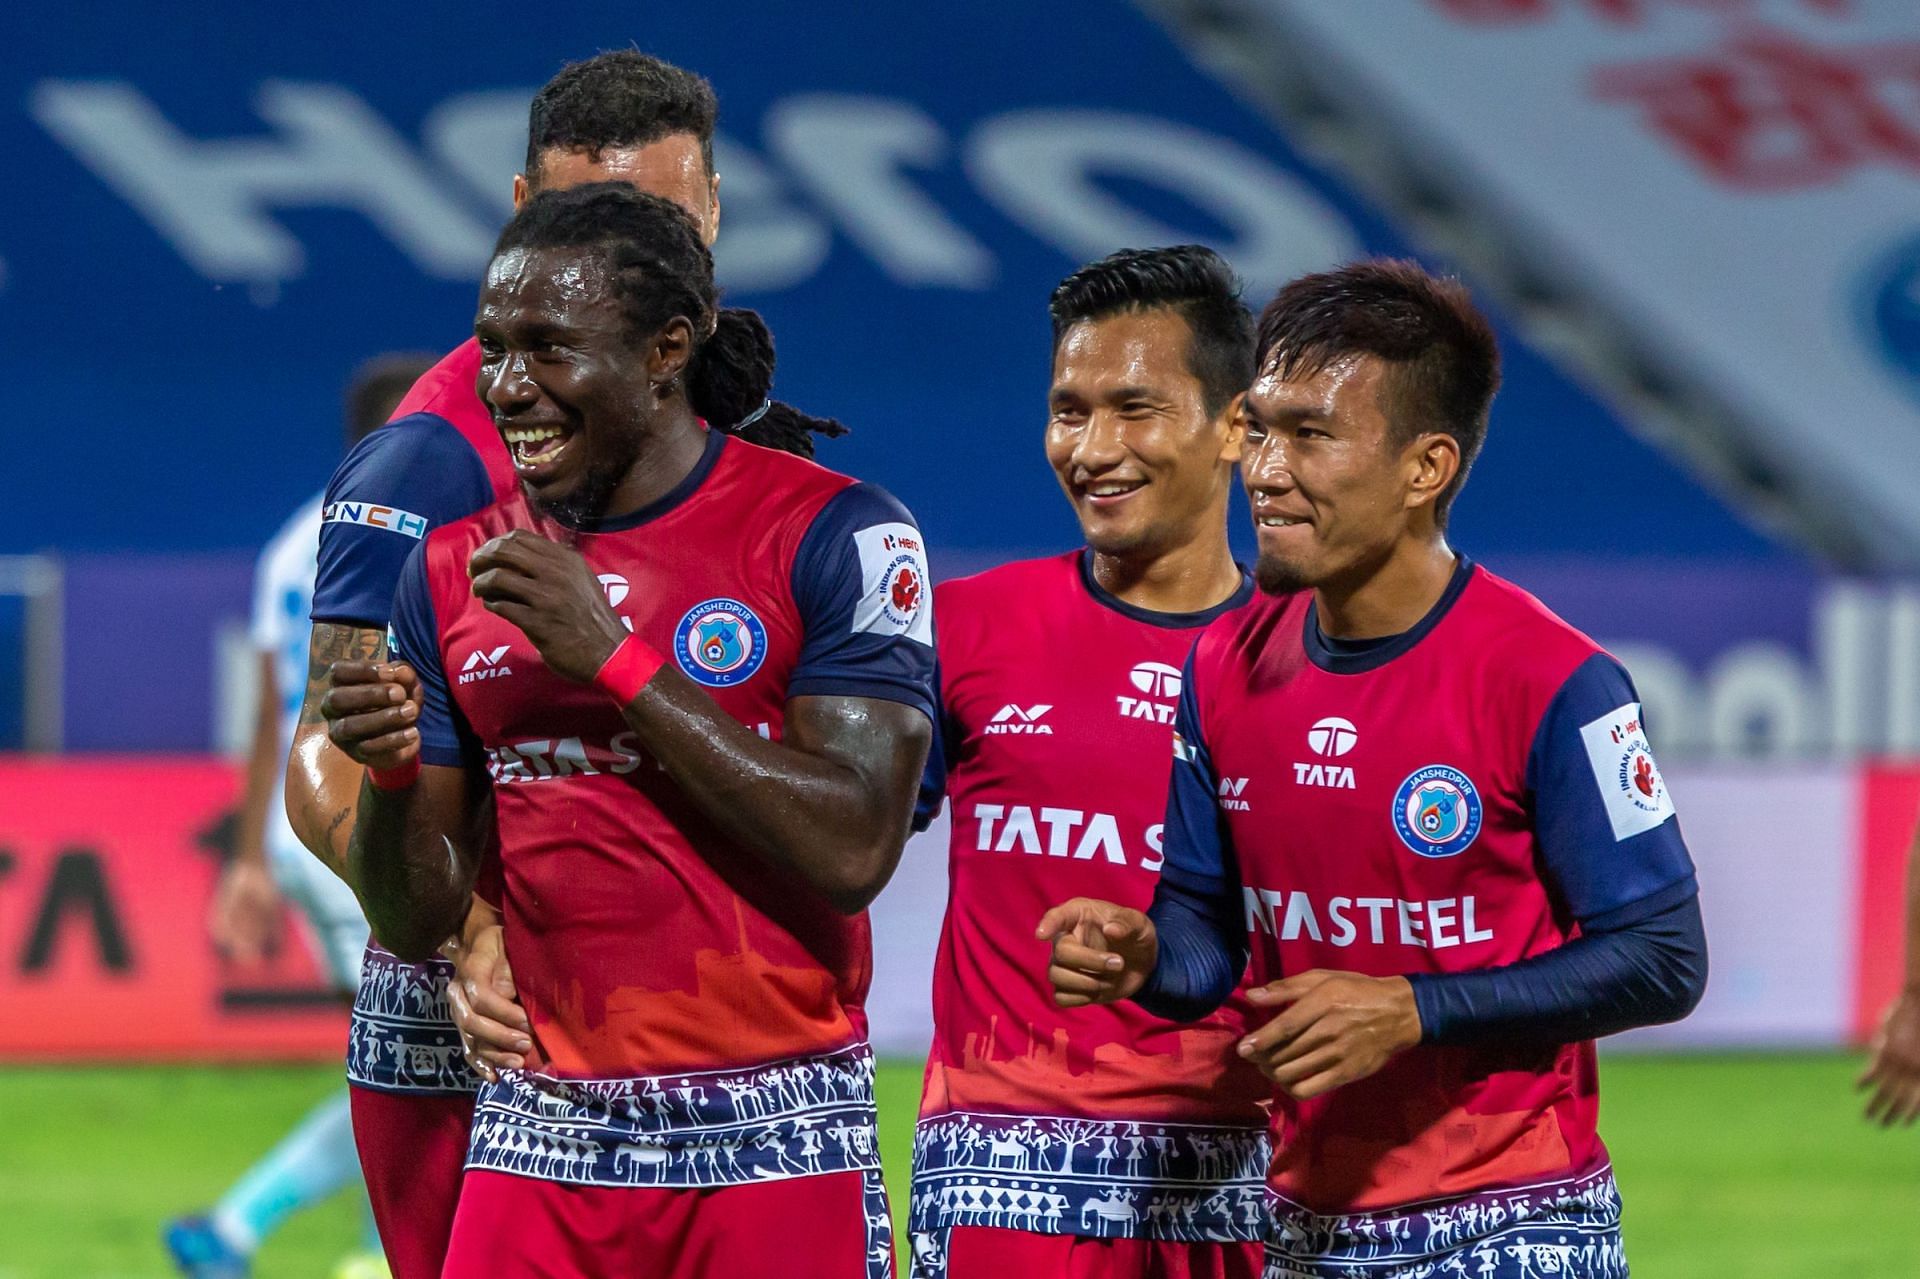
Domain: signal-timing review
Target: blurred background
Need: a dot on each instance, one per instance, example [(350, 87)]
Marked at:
[(1696, 221)]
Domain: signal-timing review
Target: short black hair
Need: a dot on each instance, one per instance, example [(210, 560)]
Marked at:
[(661, 269), (625, 98), (377, 388), (1443, 359), (1190, 279)]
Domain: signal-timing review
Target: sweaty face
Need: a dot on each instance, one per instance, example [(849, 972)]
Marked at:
[(1129, 436), (1328, 490), (566, 382), (670, 167)]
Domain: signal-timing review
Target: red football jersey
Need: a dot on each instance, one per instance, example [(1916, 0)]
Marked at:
[(1456, 798), (642, 940), (1057, 704)]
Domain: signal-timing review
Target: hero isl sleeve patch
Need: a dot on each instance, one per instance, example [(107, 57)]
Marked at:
[(896, 598), (1630, 783)]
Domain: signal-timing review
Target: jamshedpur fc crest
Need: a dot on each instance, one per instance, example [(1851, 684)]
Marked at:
[(1436, 811), (720, 643)]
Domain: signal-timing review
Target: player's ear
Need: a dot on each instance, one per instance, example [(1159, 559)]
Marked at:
[(670, 352), (1233, 439), (1431, 462), (522, 189)]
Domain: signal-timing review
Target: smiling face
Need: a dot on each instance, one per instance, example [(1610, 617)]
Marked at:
[(1333, 490), (1129, 436), (570, 386)]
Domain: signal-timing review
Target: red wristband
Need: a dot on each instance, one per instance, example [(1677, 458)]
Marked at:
[(627, 669), (395, 778)]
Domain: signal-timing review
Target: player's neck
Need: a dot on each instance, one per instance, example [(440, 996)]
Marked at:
[(1188, 579), (667, 456), (1390, 597)]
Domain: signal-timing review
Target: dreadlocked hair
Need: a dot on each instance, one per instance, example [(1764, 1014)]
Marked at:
[(660, 269)]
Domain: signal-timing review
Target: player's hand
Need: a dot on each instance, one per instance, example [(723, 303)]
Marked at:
[(1336, 1028), (548, 591), (1893, 1064), (244, 919), (494, 1029), (372, 709), (1102, 953)]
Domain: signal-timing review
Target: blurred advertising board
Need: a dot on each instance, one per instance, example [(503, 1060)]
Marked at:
[(107, 867)]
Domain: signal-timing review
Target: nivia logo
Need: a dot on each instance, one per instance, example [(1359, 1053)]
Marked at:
[(616, 588), (1156, 679), (1019, 719), (485, 664), (1332, 736), (1233, 794)]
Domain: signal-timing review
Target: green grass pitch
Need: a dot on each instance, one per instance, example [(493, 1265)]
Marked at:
[(1733, 1167)]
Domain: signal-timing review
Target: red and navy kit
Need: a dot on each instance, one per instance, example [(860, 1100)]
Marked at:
[(697, 1014), (1057, 704), (1470, 795), (438, 460)]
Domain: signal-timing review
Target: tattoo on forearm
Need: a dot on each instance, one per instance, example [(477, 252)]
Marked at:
[(332, 643)]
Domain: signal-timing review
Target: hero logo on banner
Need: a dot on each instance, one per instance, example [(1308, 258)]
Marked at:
[(1623, 768), (893, 575)]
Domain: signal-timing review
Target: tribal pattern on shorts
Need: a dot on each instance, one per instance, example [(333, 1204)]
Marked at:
[(1104, 1178), (401, 1037), (1559, 1230), (799, 1118)]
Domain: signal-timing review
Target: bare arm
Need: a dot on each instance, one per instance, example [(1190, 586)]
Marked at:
[(831, 803), (1893, 1067), (245, 919), (323, 783), (414, 850)]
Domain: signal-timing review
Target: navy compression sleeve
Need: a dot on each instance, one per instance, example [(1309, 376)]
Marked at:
[(1607, 980), (1203, 951)]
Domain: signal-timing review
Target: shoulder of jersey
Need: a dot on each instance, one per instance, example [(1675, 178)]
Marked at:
[(980, 604), (1020, 580), (1517, 633), (1249, 628), (447, 391), (793, 474)]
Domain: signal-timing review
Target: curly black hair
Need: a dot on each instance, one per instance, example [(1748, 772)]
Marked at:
[(625, 98), (662, 269)]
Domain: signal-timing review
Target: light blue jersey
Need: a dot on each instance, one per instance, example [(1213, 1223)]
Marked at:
[(282, 599)]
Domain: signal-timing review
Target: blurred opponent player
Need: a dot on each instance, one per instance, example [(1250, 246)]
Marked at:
[(622, 116), (1398, 764), (1096, 1142), (711, 710), (316, 1158)]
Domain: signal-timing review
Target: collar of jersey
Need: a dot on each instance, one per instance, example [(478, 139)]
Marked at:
[(1171, 621), (709, 456), (1351, 657)]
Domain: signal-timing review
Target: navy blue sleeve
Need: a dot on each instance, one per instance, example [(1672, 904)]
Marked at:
[(413, 474), (860, 581), (414, 637), (1196, 909), (1613, 859), (1605, 981), (933, 778), (1609, 839)]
